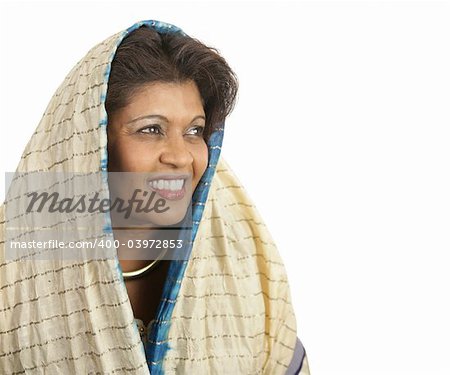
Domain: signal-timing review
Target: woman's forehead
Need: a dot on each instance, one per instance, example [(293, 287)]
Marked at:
[(170, 101)]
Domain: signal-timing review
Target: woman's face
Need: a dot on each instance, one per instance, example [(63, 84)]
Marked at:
[(159, 135)]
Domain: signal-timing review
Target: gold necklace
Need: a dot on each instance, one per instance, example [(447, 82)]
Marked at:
[(144, 270)]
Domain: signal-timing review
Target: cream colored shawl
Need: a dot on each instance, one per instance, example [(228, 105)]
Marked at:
[(227, 310)]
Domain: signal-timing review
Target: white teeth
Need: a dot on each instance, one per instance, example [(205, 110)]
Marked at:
[(173, 185)]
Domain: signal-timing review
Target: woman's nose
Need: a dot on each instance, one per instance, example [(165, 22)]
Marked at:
[(176, 152)]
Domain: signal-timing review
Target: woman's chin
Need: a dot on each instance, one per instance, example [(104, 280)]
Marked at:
[(164, 220)]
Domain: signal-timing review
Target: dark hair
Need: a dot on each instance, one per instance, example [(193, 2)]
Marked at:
[(146, 56)]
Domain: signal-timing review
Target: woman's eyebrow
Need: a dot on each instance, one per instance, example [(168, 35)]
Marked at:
[(199, 117), (161, 117)]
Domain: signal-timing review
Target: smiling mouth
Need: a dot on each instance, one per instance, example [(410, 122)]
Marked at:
[(168, 188)]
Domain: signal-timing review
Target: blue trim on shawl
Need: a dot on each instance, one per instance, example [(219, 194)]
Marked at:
[(158, 345)]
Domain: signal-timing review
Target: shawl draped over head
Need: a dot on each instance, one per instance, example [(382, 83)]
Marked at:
[(225, 310)]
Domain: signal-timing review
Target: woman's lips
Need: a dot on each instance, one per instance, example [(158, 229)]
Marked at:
[(171, 195), (170, 189)]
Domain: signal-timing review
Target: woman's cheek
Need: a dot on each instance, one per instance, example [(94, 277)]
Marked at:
[(138, 156)]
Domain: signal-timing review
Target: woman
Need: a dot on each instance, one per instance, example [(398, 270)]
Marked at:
[(152, 101)]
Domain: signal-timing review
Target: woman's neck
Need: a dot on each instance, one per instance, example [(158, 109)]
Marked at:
[(135, 248)]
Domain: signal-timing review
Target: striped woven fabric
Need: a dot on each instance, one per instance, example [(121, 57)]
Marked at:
[(227, 310)]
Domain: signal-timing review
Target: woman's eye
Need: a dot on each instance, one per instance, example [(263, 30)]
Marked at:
[(153, 129), (198, 130)]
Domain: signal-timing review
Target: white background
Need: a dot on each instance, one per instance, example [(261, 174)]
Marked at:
[(340, 136)]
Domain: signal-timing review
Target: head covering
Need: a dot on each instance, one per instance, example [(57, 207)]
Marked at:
[(226, 309)]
